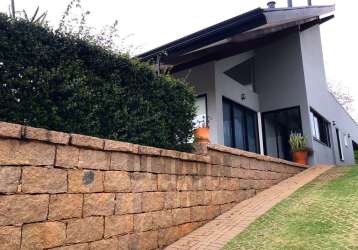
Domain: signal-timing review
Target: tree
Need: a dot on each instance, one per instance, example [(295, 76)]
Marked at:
[(74, 22), (343, 96)]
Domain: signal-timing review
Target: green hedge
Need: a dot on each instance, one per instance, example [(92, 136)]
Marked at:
[(61, 83)]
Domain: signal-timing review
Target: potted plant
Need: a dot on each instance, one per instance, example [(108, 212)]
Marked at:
[(299, 148), (201, 131)]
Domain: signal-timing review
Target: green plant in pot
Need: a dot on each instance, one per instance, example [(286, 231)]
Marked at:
[(299, 148)]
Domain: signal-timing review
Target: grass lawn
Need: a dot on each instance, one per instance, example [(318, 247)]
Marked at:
[(321, 215)]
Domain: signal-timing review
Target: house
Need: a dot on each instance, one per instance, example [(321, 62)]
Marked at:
[(260, 76)]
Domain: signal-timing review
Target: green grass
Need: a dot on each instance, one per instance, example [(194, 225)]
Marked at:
[(321, 215), (356, 155)]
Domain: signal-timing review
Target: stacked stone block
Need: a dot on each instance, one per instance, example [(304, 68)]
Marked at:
[(67, 191)]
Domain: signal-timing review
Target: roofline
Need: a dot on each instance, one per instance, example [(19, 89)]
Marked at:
[(222, 30), (251, 19)]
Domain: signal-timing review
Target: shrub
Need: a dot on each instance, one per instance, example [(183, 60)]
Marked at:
[(58, 82)]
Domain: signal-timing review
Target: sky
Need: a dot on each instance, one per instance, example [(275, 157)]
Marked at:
[(153, 23)]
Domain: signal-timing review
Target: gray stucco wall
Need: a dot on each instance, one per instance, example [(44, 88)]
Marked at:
[(323, 102), (227, 87), (280, 79)]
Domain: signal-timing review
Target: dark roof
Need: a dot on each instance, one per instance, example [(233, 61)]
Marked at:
[(257, 23)]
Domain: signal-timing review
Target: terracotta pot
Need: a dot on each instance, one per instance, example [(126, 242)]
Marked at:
[(300, 157), (201, 135)]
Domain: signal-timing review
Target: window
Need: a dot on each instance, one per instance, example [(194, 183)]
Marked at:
[(277, 126), (320, 128), (244, 73), (240, 127), (339, 142), (201, 109)]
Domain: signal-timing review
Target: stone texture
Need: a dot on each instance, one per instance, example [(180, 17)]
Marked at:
[(15, 152), (65, 206), (118, 225), (144, 240), (185, 183), (168, 236), (67, 156), (198, 213), (143, 222), (125, 161), (119, 146), (94, 159), (98, 204), (181, 216), (152, 201), (171, 200), (85, 181), (128, 203), (44, 180), (18, 209), (83, 246), (123, 242), (117, 181), (84, 230), (145, 150), (143, 182), (167, 182), (9, 179), (162, 219), (10, 237), (43, 235), (10, 130), (108, 244), (46, 135), (87, 141)]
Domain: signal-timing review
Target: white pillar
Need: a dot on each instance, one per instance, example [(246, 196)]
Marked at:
[(261, 138)]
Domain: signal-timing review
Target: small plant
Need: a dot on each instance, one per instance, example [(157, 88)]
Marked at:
[(298, 142)]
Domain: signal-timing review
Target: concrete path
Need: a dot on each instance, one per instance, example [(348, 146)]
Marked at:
[(215, 234)]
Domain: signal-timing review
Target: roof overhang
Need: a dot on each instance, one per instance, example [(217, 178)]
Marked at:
[(241, 33)]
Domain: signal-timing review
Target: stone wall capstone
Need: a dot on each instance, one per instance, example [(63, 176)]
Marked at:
[(67, 191)]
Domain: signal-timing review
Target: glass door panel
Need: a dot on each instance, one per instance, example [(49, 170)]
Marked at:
[(239, 126)]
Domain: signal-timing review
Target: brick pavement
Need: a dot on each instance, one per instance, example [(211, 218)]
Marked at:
[(215, 234)]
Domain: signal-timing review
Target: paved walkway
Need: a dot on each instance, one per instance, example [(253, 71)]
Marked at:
[(215, 234)]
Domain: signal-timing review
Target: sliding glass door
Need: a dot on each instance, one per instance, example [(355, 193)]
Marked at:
[(277, 127), (240, 127)]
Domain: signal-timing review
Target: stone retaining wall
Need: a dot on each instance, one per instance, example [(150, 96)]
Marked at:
[(69, 191)]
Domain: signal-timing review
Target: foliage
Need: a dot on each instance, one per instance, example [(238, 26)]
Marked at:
[(297, 142), (60, 82), (342, 95), (356, 155), (74, 22), (35, 18)]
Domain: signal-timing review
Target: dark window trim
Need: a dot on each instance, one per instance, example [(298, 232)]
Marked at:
[(339, 142), (264, 128), (257, 141), (317, 114)]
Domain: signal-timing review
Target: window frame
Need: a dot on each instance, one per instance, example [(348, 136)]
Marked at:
[(245, 110), (316, 123), (275, 112)]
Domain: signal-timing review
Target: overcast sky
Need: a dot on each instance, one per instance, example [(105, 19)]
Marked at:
[(153, 23)]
